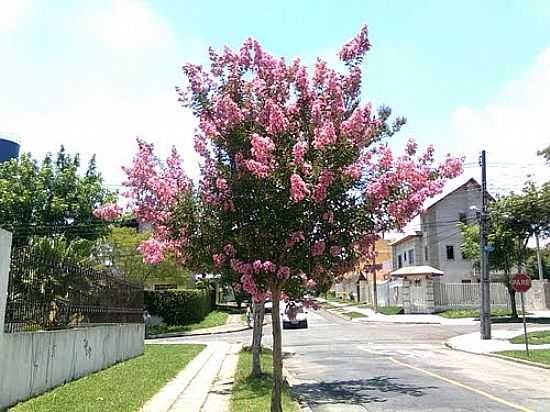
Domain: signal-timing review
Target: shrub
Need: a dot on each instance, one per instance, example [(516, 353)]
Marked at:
[(179, 307)]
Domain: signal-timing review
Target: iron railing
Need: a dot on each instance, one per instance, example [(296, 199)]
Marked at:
[(46, 294)]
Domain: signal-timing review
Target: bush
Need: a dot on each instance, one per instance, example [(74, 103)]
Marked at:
[(179, 307)]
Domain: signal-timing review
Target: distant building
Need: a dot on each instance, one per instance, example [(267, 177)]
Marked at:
[(437, 242), (358, 281), (9, 148)]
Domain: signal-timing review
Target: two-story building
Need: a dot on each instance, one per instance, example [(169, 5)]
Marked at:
[(435, 240)]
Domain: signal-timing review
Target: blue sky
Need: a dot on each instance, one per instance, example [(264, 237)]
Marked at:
[(94, 75)]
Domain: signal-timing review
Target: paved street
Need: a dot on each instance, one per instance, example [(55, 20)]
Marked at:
[(350, 366)]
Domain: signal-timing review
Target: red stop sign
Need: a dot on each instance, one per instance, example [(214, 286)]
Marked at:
[(521, 282)]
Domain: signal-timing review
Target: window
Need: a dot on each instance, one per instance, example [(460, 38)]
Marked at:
[(417, 282), (399, 262), (450, 252), (166, 286), (462, 218), (466, 281), (405, 256), (411, 256), (426, 254)]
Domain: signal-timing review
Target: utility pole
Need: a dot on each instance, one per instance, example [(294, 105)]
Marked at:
[(485, 318)]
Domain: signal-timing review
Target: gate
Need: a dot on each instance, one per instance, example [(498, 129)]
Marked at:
[(418, 298)]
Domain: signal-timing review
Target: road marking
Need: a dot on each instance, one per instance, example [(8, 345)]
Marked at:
[(456, 383)]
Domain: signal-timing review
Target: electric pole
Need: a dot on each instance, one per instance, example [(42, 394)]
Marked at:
[(485, 318)]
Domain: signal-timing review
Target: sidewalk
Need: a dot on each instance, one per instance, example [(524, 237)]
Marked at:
[(203, 386), (372, 316), (234, 324), (473, 343)]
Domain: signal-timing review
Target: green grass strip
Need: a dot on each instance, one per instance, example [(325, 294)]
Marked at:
[(535, 338), (353, 315), (254, 394), (538, 356), (124, 387)]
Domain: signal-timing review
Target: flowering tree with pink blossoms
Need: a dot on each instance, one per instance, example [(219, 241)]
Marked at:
[(297, 180)]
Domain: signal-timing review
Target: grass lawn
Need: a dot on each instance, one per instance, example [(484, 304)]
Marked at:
[(539, 356), (472, 313), (123, 387), (390, 310), (535, 338), (353, 315), (214, 318), (254, 395)]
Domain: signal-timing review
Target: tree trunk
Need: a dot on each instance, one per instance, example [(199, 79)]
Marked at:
[(277, 353), (259, 311)]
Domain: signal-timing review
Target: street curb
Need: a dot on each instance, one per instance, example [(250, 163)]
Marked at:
[(291, 383), (384, 322), (183, 334), (497, 356), (187, 334)]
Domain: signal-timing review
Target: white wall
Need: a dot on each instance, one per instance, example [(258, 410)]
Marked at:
[(441, 230), (32, 363)]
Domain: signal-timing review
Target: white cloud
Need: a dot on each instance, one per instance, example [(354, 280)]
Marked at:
[(98, 102), (511, 128), (13, 13), (108, 127), (126, 24)]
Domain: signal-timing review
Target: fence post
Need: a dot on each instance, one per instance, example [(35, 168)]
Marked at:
[(430, 301), (5, 253), (406, 295)]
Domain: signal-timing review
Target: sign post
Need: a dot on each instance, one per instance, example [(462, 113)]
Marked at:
[(522, 283)]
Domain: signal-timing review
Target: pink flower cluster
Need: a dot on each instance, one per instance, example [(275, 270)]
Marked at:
[(152, 251), (325, 180), (298, 188), (108, 212), (295, 237), (324, 136), (299, 151), (262, 148), (318, 248), (356, 48)]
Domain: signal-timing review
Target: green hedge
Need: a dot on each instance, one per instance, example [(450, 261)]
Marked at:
[(179, 307)]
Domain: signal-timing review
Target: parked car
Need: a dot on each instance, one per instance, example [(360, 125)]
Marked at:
[(294, 316), (268, 306)]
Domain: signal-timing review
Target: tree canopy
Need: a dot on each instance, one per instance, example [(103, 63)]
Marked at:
[(51, 197)]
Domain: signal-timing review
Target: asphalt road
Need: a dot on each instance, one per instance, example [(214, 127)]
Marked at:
[(350, 366)]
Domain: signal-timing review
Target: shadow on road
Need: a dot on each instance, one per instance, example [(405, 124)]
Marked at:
[(358, 391), (541, 321)]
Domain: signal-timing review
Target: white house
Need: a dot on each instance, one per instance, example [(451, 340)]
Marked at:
[(436, 239)]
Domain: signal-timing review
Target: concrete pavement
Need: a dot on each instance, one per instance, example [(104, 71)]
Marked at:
[(342, 365), (499, 341), (203, 386)]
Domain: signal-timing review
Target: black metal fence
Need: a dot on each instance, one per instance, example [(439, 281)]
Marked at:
[(45, 294)]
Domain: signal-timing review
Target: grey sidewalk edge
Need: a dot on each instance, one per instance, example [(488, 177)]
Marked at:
[(497, 356), (187, 334), (366, 319)]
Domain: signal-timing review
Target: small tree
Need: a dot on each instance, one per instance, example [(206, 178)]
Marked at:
[(296, 182)]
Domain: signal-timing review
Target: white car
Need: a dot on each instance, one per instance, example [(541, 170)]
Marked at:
[(294, 316), (268, 306)]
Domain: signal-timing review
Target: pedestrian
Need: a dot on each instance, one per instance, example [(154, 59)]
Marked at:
[(248, 316), (146, 321)]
